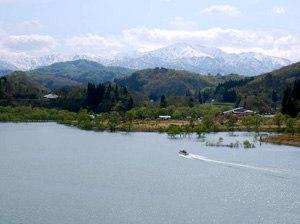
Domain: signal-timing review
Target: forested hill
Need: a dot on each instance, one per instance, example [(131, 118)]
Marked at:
[(19, 85), (276, 80), (162, 81), (264, 92), (76, 72)]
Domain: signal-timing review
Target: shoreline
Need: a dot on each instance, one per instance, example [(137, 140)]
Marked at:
[(163, 126), (284, 139)]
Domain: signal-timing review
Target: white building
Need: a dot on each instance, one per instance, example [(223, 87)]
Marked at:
[(165, 117), (51, 96), (239, 111)]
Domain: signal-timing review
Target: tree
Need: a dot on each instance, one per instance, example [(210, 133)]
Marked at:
[(200, 131), (130, 104), (113, 120), (173, 131), (256, 121), (191, 102), (274, 97), (130, 115), (290, 100), (247, 121), (229, 96), (290, 125), (163, 102), (231, 122), (200, 97), (278, 119), (208, 122)]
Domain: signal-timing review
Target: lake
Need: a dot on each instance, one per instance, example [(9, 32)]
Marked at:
[(51, 173)]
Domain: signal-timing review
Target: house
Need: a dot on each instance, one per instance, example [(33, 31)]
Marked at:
[(209, 101), (50, 96), (165, 117), (239, 111)]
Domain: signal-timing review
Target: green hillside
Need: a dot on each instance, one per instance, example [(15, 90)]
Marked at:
[(19, 85), (258, 93), (276, 80), (77, 72), (161, 81)]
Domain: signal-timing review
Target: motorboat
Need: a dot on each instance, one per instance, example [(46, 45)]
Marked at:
[(183, 152)]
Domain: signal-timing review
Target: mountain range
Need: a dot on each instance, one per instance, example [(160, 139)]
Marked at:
[(180, 56)]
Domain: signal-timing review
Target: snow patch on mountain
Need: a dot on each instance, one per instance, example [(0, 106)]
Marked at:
[(182, 56), (7, 66)]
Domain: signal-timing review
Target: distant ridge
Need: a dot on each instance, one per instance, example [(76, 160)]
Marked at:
[(180, 56), (202, 60), (77, 72)]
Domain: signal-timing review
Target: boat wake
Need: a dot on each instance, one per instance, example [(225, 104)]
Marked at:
[(205, 159)]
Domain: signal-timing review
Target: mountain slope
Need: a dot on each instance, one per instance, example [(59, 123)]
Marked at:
[(76, 72), (7, 66), (276, 80), (18, 84), (161, 81), (257, 94)]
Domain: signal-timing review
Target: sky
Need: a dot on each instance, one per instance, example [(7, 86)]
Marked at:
[(31, 28)]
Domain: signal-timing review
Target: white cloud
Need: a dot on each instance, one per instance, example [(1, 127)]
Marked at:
[(223, 9), (30, 24), (277, 43), (91, 41), (31, 42), (182, 24), (278, 10), (10, 55)]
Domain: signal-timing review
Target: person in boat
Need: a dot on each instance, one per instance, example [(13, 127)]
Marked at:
[(183, 152)]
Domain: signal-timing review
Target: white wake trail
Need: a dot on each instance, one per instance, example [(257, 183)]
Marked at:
[(202, 158)]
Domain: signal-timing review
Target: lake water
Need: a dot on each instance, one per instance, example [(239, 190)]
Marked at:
[(51, 173)]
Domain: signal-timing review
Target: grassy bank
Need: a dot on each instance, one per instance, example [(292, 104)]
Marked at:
[(284, 139)]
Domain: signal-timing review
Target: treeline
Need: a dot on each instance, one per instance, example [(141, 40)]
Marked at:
[(291, 100), (107, 97), (224, 92), (29, 114)]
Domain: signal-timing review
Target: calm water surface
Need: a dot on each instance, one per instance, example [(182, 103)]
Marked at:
[(52, 173)]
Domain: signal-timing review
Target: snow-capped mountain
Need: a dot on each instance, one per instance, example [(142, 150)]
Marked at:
[(29, 63), (202, 60), (179, 56), (7, 66)]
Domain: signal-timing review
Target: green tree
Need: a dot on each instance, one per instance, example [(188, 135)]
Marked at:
[(200, 97), (231, 121), (163, 102), (173, 131), (247, 122), (130, 115), (127, 126), (208, 123), (290, 125), (200, 131), (191, 102), (256, 121), (278, 119), (113, 120)]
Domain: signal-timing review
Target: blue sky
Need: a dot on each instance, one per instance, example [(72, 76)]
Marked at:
[(40, 27)]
